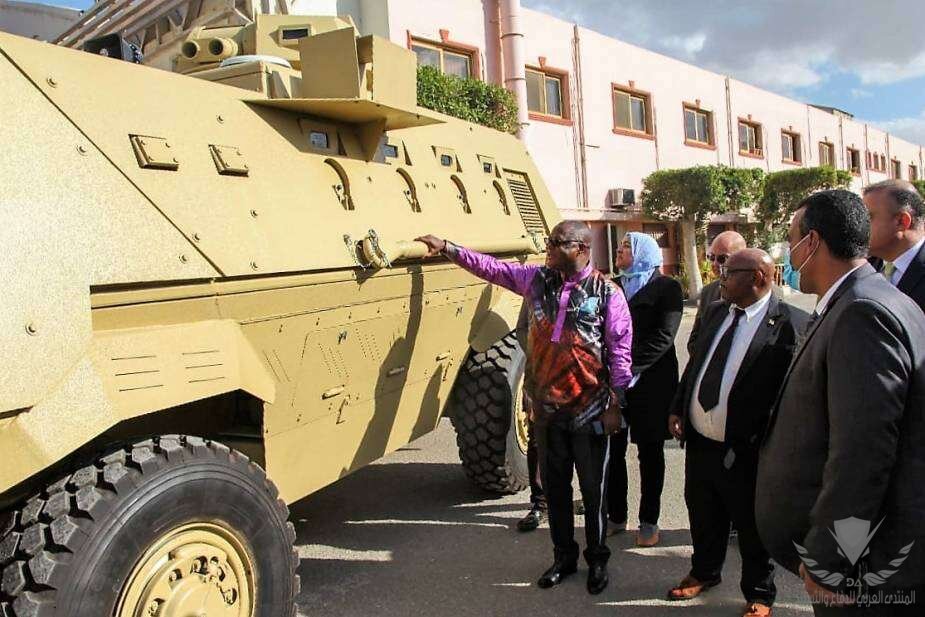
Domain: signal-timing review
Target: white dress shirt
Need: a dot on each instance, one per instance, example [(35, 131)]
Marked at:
[(827, 296), (712, 424), (901, 263)]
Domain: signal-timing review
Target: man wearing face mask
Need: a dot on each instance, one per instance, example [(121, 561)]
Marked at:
[(844, 451), (579, 337), (897, 235)]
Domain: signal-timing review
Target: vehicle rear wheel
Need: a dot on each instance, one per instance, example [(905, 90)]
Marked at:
[(490, 422), (167, 527)]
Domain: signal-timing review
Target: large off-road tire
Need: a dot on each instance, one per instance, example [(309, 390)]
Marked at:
[(169, 526), (489, 419)]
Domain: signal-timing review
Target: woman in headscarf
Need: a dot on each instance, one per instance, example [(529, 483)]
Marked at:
[(655, 303)]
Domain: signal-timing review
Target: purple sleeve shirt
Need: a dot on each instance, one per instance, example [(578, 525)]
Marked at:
[(618, 326)]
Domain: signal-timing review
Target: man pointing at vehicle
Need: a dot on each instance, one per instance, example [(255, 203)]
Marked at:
[(578, 364)]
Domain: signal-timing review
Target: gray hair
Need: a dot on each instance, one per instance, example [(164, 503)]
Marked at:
[(904, 196)]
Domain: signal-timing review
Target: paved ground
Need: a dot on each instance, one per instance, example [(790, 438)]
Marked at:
[(410, 536)]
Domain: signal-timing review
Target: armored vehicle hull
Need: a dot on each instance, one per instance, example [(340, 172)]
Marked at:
[(214, 307)]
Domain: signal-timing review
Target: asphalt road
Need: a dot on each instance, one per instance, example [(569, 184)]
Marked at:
[(410, 536)]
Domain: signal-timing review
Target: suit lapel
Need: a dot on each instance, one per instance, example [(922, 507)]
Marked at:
[(913, 273), (704, 342), (864, 270), (642, 295), (761, 337)]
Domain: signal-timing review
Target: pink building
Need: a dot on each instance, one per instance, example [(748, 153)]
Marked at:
[(604, 114)]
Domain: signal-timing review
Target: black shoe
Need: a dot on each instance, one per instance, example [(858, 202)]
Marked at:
[(597, 578), (533, 519), (554, 575)]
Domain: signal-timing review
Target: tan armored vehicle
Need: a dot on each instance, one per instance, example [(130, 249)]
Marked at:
[(212, 306)]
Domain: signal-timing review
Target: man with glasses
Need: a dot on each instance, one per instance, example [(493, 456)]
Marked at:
[(721, 410), (579, 337), (723, 245)]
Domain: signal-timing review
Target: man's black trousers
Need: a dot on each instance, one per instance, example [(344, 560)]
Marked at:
[(719, 488), (563, 452), (537, 496)]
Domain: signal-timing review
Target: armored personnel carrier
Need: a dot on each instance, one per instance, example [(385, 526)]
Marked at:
[(213, 306)]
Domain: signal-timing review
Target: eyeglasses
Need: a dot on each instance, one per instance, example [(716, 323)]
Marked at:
[(561, 243), (724, 272), (720, 259)]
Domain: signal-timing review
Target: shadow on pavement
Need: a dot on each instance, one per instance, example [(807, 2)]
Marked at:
[(416, 538)]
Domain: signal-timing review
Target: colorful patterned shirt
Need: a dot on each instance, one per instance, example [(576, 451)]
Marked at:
[(579, 335)]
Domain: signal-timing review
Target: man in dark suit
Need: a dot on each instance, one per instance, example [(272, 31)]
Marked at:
[(721, 411), (897, 235), (723, 245), (839, 497)]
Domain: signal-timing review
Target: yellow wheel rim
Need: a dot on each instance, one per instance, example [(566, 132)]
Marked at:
[(521, 422), (198, 570)]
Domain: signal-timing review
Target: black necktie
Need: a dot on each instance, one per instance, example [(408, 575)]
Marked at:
[(713, 377)]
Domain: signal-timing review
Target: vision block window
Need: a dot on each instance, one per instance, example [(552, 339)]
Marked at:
[(698, 126), (790, 147), (319, 139), (446, 160), (750, 138), (632, 111), (544, 93), (294, 34), (390, 151), (447, 60)]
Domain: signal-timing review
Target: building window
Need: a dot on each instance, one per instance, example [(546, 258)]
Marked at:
[(547, 92), (698, 126), (896, 169), (790, 147), (913, 173), (854, 160), (447, 59), (750, 138), (883, 162), (658, 232), (826, 154), (632, 111)]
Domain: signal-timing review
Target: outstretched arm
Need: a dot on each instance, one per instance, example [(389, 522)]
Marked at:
[(512, 276)]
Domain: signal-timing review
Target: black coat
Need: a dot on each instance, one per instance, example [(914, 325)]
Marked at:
[(912, 282), (847, 435), (760, 374), (708, 295), (656, 312)]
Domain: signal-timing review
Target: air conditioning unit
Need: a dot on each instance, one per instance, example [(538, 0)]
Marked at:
[(619, 199)]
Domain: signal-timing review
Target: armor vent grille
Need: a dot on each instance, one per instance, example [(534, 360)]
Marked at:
[(526, 202)]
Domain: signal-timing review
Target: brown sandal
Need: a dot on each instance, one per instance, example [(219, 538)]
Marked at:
[(757, 609), (689, 588)]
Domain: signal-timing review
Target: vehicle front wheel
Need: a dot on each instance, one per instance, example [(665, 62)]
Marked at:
[(167, 527)]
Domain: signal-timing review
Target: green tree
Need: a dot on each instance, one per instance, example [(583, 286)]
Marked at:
[(469, 99), (692, 196), (920, 186), (784, 190)]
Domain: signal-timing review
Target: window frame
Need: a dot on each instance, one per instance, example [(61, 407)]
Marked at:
[(796, 147), (695, 108), (758, 153), (855, 171), (447, 46), (896, 169), (564, 97), (913, 172), (633, 92), (829, 147)]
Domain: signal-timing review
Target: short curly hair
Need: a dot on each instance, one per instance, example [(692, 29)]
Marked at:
[(840, 219)]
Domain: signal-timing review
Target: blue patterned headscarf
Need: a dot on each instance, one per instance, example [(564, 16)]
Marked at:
[(647, 258)]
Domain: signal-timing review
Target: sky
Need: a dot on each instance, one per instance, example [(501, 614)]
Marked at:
[(864, 56)]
